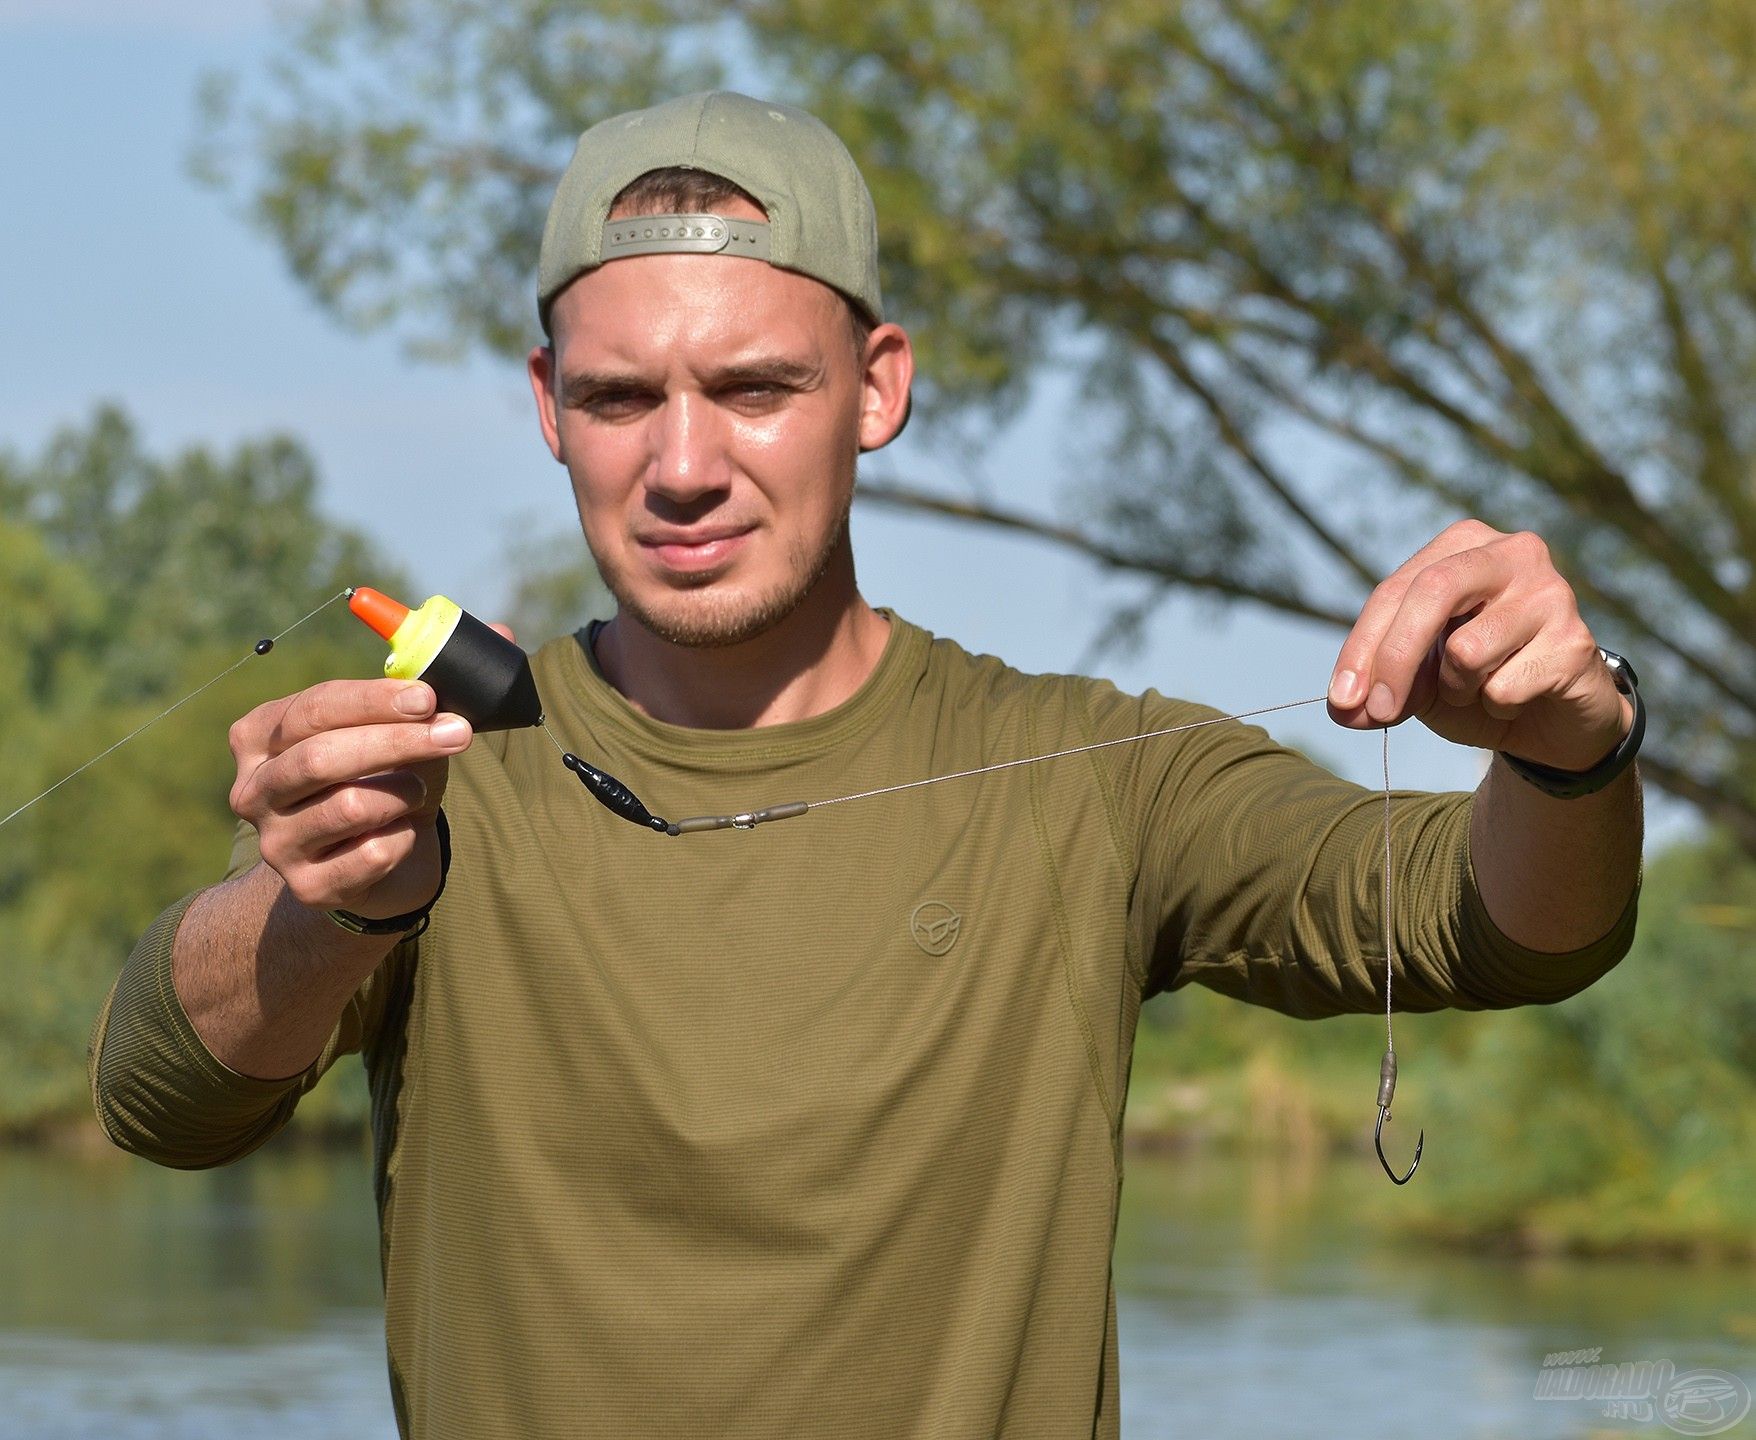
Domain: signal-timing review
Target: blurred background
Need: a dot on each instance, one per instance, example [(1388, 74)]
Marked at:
[(1223, 309)]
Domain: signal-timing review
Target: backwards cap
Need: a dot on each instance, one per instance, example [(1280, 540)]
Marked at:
[(820, 217)]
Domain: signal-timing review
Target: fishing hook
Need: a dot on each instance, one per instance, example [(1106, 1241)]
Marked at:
[(1387, 1089)]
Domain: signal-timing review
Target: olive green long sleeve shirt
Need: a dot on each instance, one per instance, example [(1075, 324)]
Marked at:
[(816, 1129)]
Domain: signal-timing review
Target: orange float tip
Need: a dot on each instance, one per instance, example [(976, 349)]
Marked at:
[(377, 609)]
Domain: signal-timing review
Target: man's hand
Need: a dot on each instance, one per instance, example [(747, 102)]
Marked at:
[(342, 782), (1480, 637)]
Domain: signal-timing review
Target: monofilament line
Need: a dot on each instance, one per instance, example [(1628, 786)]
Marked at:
[(1389, 939), (1059, 754), (560, 749), (141, 729)]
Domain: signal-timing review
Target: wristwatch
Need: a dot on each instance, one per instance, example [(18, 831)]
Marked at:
[(1571, 784), (414, 922)]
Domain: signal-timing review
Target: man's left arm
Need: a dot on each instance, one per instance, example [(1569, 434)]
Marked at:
[(1481, 638)]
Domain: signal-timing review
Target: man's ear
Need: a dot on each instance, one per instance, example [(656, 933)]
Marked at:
[(539, 365), (884, 388)]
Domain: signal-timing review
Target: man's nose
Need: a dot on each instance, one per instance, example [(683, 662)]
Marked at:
[(688, 459)]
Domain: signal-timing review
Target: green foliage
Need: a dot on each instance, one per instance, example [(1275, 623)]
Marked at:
[(1627, 1116), (48, 613), (201, 546), (1623, 1119), (1325, 278), (126, 581), (555, 586)]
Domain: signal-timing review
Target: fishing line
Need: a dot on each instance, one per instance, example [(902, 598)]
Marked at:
[(486, 678), (1058, 754), (1389, 939), (262, 647), (618, 799)]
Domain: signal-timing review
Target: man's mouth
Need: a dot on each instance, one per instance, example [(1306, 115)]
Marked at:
[(694, 551)]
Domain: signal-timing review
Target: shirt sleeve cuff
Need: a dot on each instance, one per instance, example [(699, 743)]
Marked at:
[(1504, 973), (157, 1088)]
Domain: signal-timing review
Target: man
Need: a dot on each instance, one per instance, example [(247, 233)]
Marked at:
[(815, 1130)]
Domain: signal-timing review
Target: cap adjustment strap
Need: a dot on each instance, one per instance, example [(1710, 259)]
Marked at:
[(683, 234)]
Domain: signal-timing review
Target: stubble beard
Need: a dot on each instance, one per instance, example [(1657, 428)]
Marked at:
[(699, 618)]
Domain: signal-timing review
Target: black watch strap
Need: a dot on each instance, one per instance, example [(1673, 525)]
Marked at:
[(415, 921), (1571, 784)]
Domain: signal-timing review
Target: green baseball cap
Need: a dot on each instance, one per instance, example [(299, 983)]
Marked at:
[(820, 217)]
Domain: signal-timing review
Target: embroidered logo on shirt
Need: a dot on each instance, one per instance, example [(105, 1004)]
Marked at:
[(935, 926)]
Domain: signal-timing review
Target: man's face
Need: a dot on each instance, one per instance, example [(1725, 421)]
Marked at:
[(708, 410)]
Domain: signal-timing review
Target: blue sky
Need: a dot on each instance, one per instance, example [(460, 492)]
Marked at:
[(124, 280)]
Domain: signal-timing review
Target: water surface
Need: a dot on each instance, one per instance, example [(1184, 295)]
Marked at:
[(1257, 1301)]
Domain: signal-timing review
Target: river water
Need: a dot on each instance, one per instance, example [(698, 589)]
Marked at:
[(1257, 1300)]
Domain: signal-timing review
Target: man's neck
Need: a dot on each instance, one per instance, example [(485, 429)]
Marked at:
[(810, 662)]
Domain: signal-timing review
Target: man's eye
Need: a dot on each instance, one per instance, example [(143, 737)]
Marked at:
[(611, 403), (755, 391)]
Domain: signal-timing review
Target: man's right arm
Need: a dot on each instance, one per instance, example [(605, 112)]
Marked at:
[(241, 995), (263, 978), (183, 1096)]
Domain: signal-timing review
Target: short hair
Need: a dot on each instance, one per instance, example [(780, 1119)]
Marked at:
[(683, 190)]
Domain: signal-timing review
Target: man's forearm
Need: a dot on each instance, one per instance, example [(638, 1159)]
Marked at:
[(263, 978), (1555, 875)]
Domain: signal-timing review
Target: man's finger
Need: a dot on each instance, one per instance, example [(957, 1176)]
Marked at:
[(433, 774), (1478, 647), (315, 827), (357, 865), (276, 727), (1444, 590), (336, 756), (1351, 682), (1550, 663)]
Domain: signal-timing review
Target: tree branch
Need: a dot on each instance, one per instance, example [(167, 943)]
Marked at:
[(1721, 473), (1122, 305), (1594, 484), (906, 497), (1233, 436), (465, 162), (1422, 477)]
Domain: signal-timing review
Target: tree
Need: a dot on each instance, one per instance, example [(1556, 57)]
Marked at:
[(127, 581), (1326, 278)]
